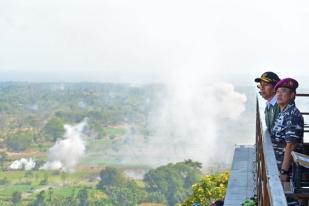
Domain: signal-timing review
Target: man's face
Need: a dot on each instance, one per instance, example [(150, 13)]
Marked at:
[(284, 96), (267, 90)]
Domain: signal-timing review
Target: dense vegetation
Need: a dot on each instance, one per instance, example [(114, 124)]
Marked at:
[(209, 189), (172, 183), (166, 185)]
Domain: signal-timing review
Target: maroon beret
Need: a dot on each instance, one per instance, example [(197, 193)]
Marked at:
[(287, 83)]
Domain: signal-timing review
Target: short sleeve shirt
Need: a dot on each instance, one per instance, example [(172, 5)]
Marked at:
[(288, 128)]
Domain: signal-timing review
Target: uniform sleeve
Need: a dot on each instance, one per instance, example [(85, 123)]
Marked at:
[(294, 131)]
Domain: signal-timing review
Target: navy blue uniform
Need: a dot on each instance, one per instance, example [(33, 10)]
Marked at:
[(288, 128)]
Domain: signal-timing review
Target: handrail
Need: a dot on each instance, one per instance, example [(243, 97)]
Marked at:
[(269, 187), (302, 95), (304, 113)]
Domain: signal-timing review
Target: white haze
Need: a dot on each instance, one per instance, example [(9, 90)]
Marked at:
[(139, 40), (22, 164), (187, 124), (190, 119), (67, 152)]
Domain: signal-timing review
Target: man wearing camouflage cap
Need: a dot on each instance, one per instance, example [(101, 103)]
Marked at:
[(288, 130), (267, 81)]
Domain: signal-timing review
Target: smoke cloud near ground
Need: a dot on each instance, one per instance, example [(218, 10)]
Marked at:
[(66, 153), (22, 164)]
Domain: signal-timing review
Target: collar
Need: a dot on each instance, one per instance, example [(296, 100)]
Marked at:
[(291, 104), (272, 102)]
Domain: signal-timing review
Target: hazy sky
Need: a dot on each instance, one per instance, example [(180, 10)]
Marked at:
[(143, 40)]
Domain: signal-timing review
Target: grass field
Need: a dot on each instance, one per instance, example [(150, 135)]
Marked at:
[(57, 185)]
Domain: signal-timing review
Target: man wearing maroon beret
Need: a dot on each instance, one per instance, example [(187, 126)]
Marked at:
[(288, 130), (267, 81)]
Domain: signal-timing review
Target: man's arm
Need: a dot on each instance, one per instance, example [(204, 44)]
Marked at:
[(287, 159), (294, 131)]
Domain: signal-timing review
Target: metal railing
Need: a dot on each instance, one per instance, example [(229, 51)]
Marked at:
[(268, 184), (304, 113)]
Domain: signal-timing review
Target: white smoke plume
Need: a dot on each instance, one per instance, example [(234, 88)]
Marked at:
[(190, 121), (22, 164), (189, 124), (66, 153)]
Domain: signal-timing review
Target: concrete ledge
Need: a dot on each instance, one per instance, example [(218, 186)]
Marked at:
[(241, 183)]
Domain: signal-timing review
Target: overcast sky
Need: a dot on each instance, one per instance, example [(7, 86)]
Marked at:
[(144, 41)]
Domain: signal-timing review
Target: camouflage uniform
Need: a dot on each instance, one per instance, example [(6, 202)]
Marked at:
[(288, 128)]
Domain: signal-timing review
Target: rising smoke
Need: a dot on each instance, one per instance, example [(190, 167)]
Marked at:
[(66, 153), (188, 124)]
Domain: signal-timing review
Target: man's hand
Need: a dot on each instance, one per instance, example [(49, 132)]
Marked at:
[(284, 178)]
